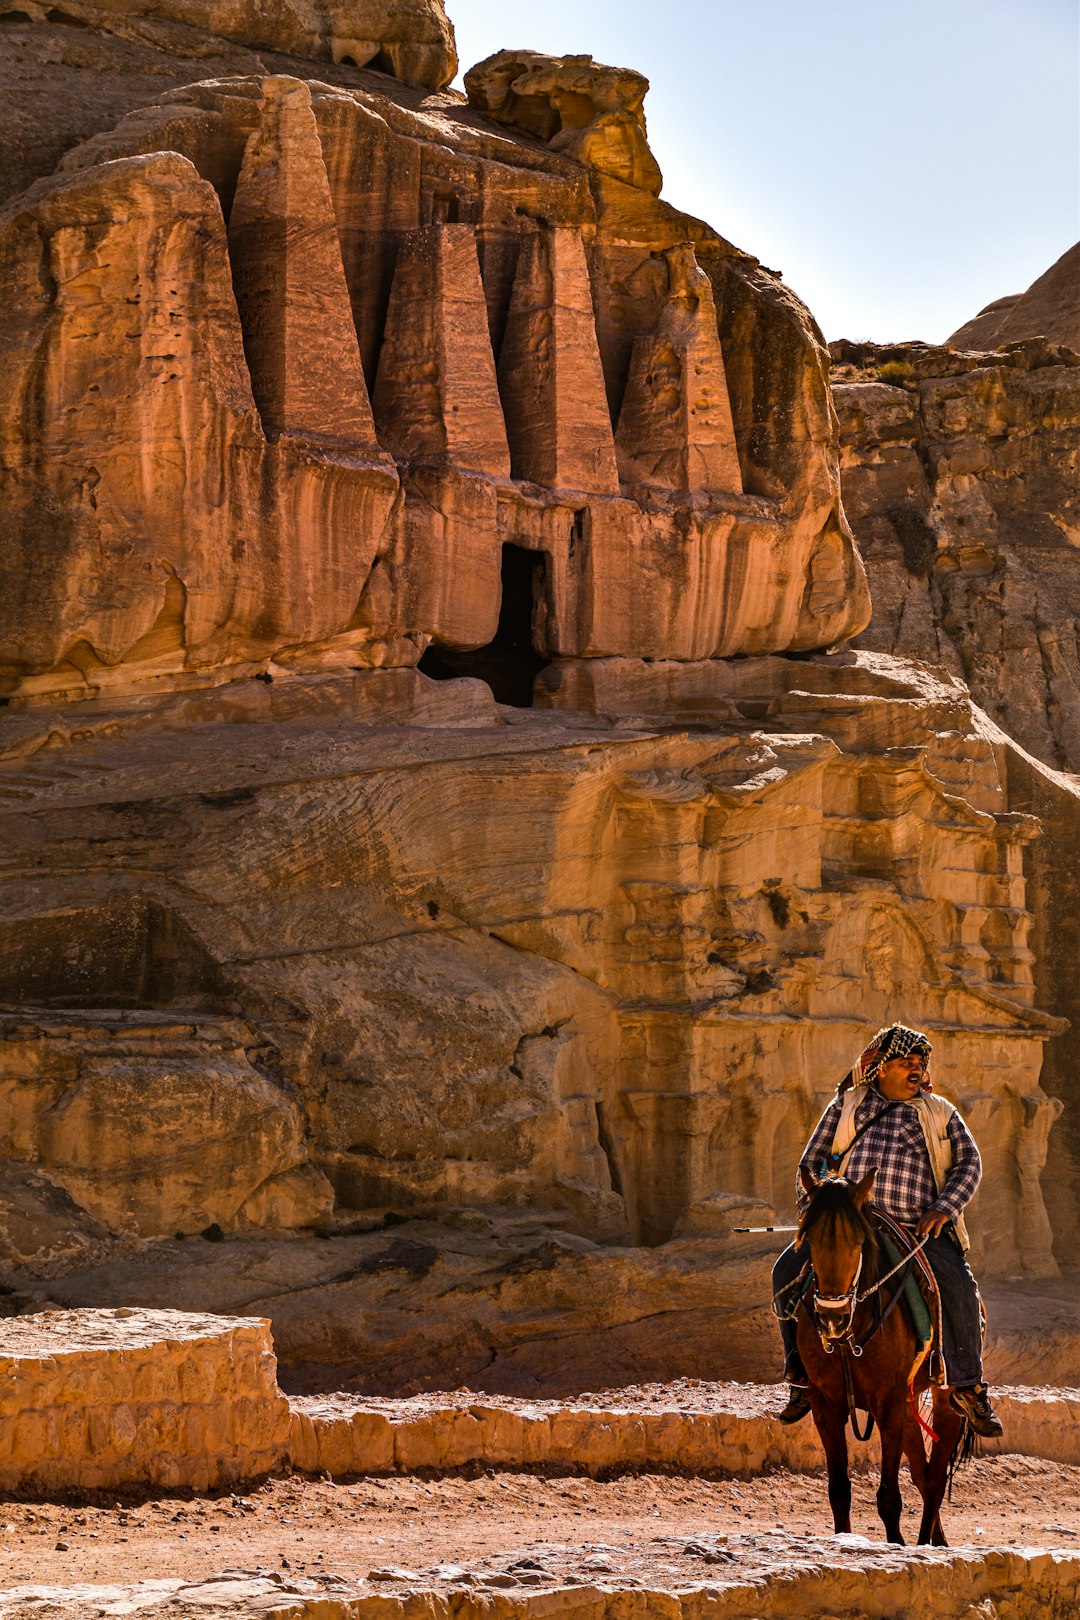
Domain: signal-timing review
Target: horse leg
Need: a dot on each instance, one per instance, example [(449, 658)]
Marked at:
[(890, 1503), (830, 1420), (947, 1426), (915, 1452)]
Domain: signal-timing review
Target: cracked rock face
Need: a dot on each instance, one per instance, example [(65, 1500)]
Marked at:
[(962, 488), (428, 961), (311, 376), (961, 474)]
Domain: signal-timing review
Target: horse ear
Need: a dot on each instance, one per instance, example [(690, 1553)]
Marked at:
[(863, 1190), (810, 1182)]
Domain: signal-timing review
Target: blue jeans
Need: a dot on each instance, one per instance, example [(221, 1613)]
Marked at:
[(961, 1323)]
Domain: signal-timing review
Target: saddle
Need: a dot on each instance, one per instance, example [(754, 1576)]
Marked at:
[(920, 1291)]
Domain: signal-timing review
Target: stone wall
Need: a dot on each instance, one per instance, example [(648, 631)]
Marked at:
[(716, 1429), (94, 1399)]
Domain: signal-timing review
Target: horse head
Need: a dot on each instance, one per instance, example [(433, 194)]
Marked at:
[(835, 1229)]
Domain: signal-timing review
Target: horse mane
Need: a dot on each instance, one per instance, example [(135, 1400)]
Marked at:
[(833, 1203)]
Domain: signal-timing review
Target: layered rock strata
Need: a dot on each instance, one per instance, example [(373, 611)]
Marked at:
[(960, 476), (72, 71), (626, 1011), (306, 385), (190, 442)]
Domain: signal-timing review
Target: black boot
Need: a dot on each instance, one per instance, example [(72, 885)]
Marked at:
[(974, 1404), (798, 1404)]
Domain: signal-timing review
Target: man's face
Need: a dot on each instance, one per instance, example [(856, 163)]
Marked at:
[(901, 1078)]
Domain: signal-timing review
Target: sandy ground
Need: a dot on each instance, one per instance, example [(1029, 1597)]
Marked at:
[(502, 1529)]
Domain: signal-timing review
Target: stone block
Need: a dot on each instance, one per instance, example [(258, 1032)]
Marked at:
[(92, 1429)]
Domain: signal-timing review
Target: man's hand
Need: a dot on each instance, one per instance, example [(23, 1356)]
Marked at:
[(933, 1221)]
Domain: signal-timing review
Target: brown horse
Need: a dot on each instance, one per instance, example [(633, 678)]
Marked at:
[(858, 1353)]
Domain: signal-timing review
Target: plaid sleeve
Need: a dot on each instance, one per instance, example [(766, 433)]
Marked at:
[(966, 1172), (820, 1144)]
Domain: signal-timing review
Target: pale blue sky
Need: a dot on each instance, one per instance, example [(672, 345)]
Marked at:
[(902, 162)]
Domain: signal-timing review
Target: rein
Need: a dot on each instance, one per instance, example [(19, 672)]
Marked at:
[(901, 1265), (847, 1342)]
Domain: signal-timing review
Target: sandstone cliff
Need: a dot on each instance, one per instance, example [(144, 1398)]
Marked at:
[(532, 987), (1049, 309), (71, 71), (961, 477), (305, 376), (431, 819)]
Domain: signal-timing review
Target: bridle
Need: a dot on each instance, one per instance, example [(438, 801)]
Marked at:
[(844, 1307), (848, 1303)]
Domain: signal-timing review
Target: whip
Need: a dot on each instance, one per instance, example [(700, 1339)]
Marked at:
[(764, 1228)]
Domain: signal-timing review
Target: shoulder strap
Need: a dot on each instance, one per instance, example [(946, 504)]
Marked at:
[(841, 1148)]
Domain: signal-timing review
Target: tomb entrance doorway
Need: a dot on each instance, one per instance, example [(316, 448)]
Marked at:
[(509, 663)]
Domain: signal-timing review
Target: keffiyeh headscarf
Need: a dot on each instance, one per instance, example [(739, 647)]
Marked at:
[(895, 1041)]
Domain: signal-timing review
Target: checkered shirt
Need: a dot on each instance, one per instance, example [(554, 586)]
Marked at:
[(896, 1148)]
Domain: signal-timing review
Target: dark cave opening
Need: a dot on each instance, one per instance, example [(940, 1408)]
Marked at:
[(509, 663)]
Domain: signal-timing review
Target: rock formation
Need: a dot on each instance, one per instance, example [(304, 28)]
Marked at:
[(420, 960), (71, 71), (410, 39), (960, 476), (1049, 309), (580, 107), (428, 798), (250, 330)]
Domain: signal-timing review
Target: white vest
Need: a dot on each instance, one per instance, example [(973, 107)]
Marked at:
[(934, 1116)]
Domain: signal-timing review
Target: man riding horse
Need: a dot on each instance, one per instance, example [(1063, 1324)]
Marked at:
[(886, 1118)]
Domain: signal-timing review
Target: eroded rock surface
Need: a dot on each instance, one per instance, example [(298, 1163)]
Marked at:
[(1049, 309), (575, 963), (962, 484), (71, 71), (304, 384), (412, 39), (769, 1574), (578, 106), (341, 380), (960, 477)]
